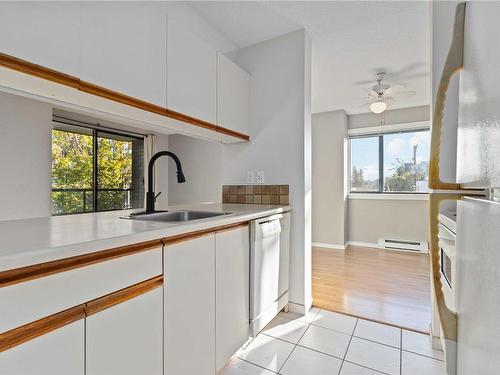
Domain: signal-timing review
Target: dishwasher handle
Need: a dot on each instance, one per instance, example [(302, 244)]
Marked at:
[(267, 227)]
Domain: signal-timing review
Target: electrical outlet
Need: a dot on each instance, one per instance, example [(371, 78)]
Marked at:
[(250, 177), (260, 177)]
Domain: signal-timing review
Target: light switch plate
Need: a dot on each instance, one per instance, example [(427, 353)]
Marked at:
[(260, 177), (250, 177)]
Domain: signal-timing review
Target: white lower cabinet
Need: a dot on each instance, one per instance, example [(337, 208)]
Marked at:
[(232, 273), (127, 338), (206, 301), (58, 352), (189, 272)]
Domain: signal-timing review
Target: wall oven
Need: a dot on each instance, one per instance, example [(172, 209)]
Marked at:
[(447, 259)]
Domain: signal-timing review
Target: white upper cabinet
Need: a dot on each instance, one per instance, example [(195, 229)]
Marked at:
[(127, 338), (233, 95), (60, 352), (44, 33), (191, 73), (123, 48)]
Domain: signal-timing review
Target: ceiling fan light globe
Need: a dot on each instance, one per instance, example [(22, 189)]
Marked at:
[(378, 107)]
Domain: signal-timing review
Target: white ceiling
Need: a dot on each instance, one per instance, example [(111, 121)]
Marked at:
[(351, 40)]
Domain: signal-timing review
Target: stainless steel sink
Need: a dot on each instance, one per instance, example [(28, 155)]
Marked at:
[(185, 215)]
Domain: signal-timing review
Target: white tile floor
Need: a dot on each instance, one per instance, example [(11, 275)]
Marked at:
[(324, 343)]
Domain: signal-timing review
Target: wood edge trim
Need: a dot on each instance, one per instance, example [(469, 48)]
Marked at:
[(40, 327), (36, 271), (115, 298), (190, 120), (30, 331), (203, 232), (39, 71), (229, 227), (115, 96), (233, 133)]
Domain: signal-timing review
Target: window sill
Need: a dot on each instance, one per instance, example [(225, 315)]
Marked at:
[(382, 196)]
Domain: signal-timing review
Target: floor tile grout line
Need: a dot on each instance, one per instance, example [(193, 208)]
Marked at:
[(422, 355), (295, 345), (377, 342), (364, 366), (286, 360), (262, 367), (318, 351), (331, 329), (349, 344)]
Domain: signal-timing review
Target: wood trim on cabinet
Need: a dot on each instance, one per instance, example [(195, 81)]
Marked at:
[(115, 96), (225, 228), (36, 271), (233, 133), (40, 327), (200, 233), (30, 331), (39, 71), (122, 295)]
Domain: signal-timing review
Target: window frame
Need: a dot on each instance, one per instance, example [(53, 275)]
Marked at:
[(380, 131), (59, 124)]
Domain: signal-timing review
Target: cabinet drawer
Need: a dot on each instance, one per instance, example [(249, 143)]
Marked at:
[(31, 300)]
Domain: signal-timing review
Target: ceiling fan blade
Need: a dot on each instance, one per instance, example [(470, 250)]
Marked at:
[(371, 93), (365, 82), (404, 94)]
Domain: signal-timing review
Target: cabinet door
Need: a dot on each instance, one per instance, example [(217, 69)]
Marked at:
[(45, 33), (58, 352), (189, 271), (191, 73), (233, 95), (127, 338), (124, 49), (232, 292)]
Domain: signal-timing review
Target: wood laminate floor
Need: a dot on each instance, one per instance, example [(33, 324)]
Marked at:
[(384, 286)]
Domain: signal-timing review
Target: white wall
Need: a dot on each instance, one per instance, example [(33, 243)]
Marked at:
[(329, 209), (201, 163), (370, 220), (360, 220), (280, 139), (162, 173), (394, 116), (25, 157)]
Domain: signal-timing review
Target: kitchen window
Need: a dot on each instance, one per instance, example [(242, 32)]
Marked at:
[(95, 170), (395, 162)]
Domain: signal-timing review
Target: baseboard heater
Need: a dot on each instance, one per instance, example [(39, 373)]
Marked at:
[(404, 245)]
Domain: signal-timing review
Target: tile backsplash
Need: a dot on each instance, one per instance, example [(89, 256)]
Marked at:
[(255, 194)]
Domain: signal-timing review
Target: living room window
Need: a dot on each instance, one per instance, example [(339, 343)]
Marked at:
[(393, 162)]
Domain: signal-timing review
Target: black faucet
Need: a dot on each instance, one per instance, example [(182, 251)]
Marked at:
[(150, 195)]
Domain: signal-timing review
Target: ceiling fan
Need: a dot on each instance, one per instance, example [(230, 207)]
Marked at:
[(381, 93)]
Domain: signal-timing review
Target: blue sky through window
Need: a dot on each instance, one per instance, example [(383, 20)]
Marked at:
[(398, 151)]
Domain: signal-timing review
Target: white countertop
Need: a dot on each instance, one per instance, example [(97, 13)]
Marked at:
[(31, 241)]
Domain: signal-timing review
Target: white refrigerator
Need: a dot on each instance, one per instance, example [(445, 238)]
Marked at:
[(471, 331)]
